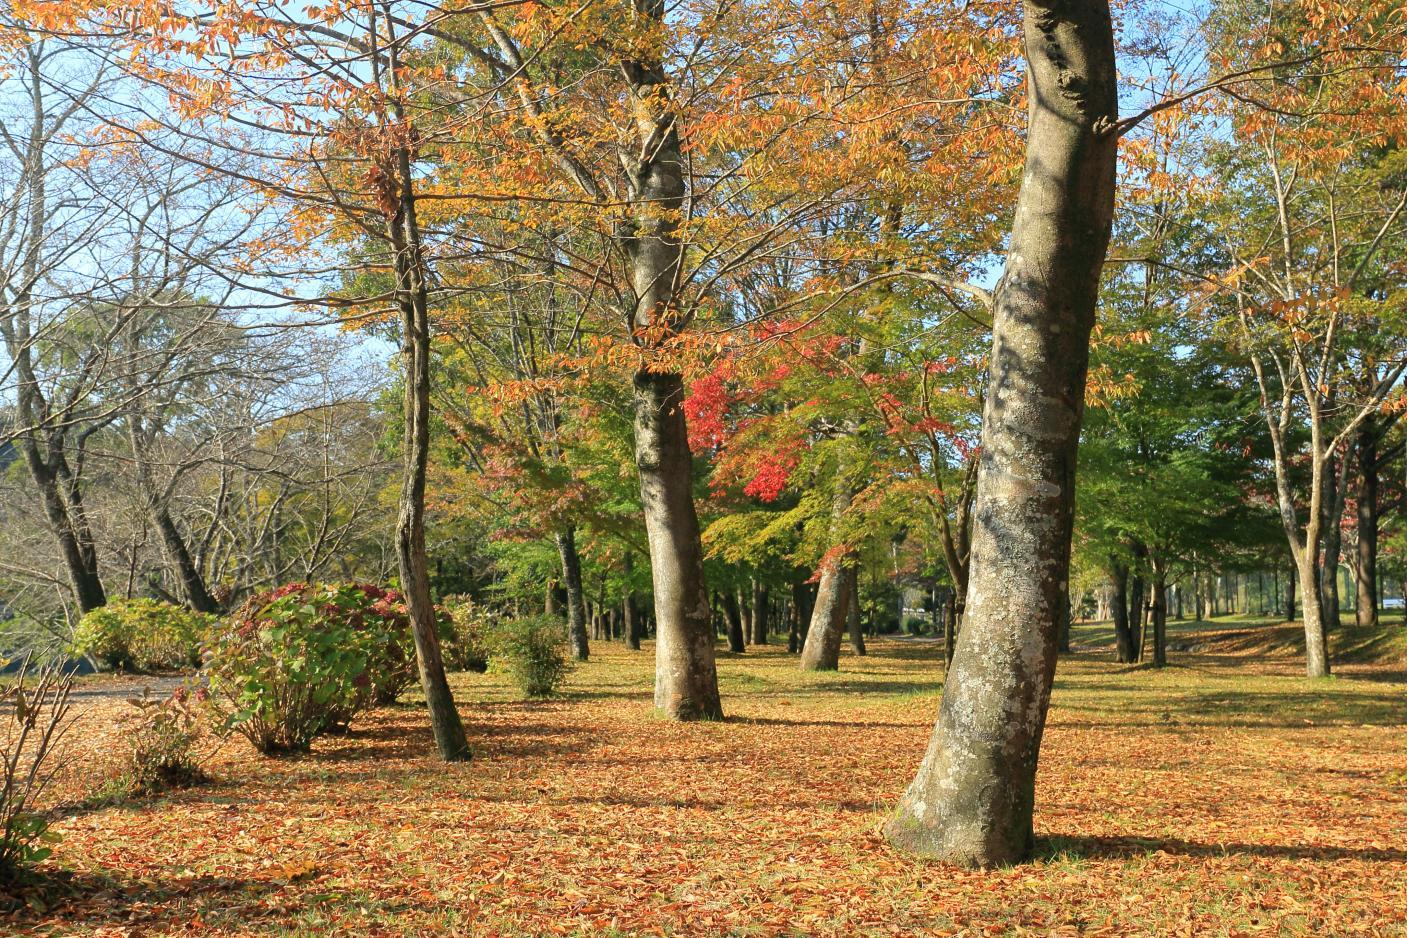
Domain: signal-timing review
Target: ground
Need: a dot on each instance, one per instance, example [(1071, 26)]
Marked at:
[(1225, 795)]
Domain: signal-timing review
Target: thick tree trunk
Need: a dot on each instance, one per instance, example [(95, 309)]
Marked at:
[(733, 615), (973, 798), (857, 634), (576, 602), (1366, 573), (686, 677), (828, 619), (826, 629)]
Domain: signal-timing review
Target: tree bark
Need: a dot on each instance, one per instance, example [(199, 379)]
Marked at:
[(857, 634), (828, 619), (686, 677), (631, 611), (733, 615), (412, 300), (1366, 574), (576, 601), (1335, 489), (759, 613), (1160, 613), (1316, 643), (1125, 643), (973, 798)]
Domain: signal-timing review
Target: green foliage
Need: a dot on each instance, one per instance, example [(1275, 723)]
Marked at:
[(464, 631), (164, 737), (143, 634), (304, 660), (533, 649)]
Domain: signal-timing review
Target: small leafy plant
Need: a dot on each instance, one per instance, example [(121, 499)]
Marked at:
[(143, 634), (34, 714), (165, 737), (464, 634), (303, 660), (533, 650)]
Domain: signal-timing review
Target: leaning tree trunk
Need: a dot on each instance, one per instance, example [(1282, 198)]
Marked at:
[(576, 601), (686, 677), (827, 625), (973, 798), (79, 558), (192, 583), (1366, 580), (412, 300)]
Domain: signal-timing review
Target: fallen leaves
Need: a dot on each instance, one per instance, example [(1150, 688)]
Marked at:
[(584, 816)]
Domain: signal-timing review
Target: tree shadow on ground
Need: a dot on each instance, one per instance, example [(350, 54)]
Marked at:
[(838, 724), (68, 897), (1122, 848)]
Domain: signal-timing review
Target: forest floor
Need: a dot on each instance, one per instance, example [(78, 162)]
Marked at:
[(1224, 795)]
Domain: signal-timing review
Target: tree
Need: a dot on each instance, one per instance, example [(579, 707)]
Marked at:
[(974, 795)]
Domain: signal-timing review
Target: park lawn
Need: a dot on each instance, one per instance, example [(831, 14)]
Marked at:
[(1222, 796)]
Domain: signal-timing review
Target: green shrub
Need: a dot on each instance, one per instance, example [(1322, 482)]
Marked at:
[(464, 633), (533, 650), (303, 660), (164, 737), (143, 634)]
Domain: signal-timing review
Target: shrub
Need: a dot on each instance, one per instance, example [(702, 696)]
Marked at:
[(304, 659), (464, 633), (164, 736), (533, 650), (145, 634), (34, 714)]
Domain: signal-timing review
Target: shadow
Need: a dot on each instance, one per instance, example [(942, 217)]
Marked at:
[(839, 724), (1122, 848), (52, 897)]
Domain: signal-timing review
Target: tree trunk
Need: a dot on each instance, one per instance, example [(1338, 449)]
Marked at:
[(973, 798), (576, 601), (1316, 644), (759, 613), (631, 610), (686, 677), (734, 617), (1366, 574), (1125, 644), (1160, 614), (412, 300), (1290, 595), (828, 619), (744, 613), (192, 583), (857, 634), (1335, 486), (79, 557)]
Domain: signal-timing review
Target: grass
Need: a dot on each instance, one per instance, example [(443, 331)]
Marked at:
[(1224, 795)]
